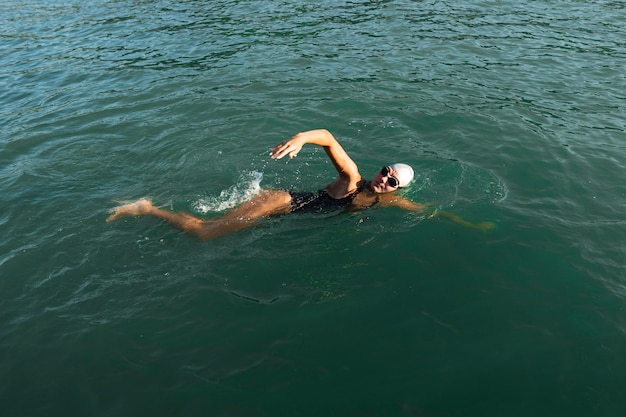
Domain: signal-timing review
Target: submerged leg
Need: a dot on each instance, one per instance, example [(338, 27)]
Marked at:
[(266, 203)]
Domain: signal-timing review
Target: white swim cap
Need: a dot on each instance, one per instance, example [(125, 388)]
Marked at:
[(404, 173)]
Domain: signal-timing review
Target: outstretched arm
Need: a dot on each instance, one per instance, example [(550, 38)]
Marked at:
[(349, 176), (387, 200), (484, 226), (393, 200)]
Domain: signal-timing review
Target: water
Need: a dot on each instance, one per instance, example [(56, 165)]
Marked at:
[(512, 112)]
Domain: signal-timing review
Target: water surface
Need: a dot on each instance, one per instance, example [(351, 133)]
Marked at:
[(511, 112)]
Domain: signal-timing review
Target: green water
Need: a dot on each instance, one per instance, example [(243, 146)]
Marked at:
[(511, 112)]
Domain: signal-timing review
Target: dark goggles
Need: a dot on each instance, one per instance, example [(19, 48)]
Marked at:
[(392, 181)]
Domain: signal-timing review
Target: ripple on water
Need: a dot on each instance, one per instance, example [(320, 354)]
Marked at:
[(512, 112)]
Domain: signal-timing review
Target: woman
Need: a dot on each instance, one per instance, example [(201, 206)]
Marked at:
[(349, 190)]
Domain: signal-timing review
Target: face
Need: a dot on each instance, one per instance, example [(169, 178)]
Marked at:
[(385, 181)]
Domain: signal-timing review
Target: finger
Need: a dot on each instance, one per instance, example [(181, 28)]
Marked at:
[(277, 154), (278, 148), (282, 149), (288, 149), (274, 152)]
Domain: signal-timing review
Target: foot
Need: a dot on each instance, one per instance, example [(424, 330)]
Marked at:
[(138, 208)]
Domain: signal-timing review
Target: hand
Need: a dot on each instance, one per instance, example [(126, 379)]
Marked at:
[(485, 226), (290, 147)]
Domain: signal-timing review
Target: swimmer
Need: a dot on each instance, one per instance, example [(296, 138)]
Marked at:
[(349, 191)]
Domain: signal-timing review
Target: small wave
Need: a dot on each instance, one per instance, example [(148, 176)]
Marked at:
[(481, 185), (449, 183), (246, 187)]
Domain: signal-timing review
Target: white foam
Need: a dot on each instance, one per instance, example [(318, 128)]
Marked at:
[(247, 186)]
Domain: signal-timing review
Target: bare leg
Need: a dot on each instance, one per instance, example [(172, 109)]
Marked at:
[(264, 204), (138, 208)]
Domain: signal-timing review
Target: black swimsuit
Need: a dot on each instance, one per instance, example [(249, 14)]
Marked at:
[(320, 202)]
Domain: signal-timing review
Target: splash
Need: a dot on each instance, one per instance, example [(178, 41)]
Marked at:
[(247, 186)]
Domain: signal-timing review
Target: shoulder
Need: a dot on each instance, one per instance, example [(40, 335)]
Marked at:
[(364, 197), (344, 186)]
